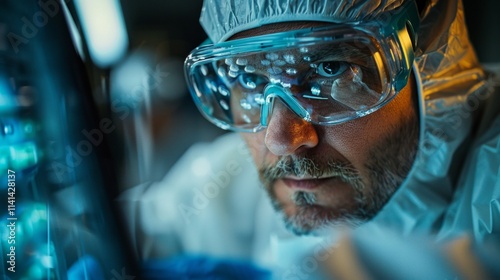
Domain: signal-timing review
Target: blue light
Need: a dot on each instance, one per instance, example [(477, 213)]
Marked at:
[(7, 100)]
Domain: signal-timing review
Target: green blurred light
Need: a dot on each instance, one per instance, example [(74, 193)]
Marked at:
[(23, 155)]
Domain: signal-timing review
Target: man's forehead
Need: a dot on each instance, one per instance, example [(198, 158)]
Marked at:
[(276, 27)]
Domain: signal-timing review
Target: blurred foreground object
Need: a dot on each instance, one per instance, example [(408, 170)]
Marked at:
[(386, 255), (56, 171)]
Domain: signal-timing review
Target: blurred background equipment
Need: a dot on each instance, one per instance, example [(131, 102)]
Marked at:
[(56, 175)]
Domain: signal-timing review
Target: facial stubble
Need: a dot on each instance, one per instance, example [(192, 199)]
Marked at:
[(388, 164)]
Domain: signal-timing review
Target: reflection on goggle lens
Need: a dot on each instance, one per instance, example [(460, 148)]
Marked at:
[(325, 80), (325, 75)]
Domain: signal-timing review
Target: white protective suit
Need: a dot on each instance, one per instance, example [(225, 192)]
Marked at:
[(210, 202), (452, 189)]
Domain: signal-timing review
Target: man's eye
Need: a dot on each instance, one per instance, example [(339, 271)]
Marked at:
[(332, 68), (251, 81)]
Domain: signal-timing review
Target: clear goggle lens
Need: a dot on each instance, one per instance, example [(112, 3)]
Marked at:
[(326, 76)]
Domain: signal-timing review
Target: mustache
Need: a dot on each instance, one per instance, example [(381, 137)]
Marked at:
[(307, 167)]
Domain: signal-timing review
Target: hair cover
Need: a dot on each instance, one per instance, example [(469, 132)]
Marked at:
[(223, 18)]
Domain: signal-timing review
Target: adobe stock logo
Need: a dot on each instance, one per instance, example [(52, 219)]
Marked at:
[(30, 27)]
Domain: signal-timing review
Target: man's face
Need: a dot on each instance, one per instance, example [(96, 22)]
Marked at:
[(319, 176)]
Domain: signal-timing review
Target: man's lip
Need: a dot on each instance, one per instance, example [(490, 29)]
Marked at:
[(305, 183)]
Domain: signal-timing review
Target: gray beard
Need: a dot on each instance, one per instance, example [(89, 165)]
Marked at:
[(389, 163), (304, 198)]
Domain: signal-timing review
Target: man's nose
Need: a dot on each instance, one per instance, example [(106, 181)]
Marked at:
[(287, 133)]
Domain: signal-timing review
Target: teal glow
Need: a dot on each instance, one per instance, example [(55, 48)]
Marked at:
[(7, 101)]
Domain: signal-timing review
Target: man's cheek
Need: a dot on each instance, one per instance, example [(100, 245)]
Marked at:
[(254, 146)]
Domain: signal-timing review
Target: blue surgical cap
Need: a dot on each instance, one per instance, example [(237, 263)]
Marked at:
[(223, 18)]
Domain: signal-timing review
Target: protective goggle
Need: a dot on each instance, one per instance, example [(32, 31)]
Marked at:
[(326, 75)]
